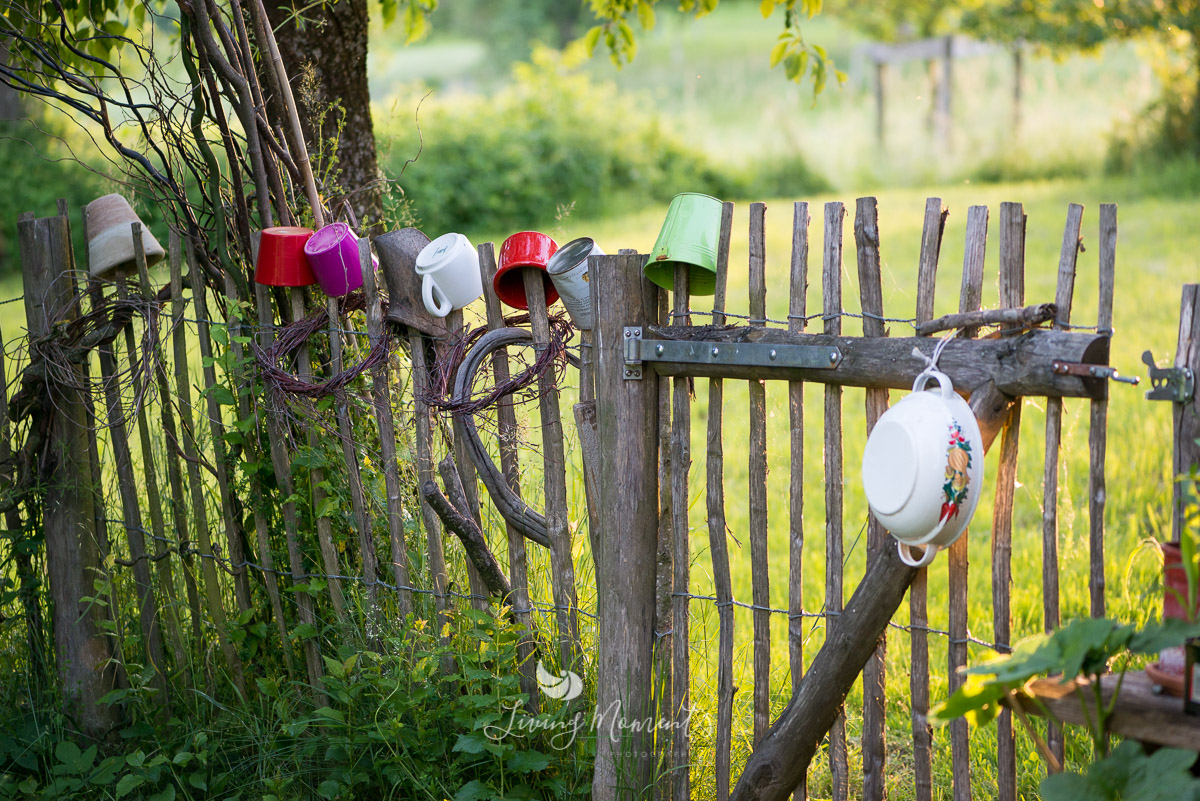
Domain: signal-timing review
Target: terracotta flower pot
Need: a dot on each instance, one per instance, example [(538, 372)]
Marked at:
[(1168, 671)]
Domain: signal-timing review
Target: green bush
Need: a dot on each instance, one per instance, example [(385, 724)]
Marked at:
[(556, 140), (392, 724)]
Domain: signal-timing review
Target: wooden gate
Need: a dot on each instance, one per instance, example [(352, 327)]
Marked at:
[(647, 359)]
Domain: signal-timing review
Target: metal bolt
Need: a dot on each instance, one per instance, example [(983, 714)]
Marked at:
[(1093, 371), (772, 354), (658, 349), (628, 333), (715, 351), (628, 373), (833, 357)]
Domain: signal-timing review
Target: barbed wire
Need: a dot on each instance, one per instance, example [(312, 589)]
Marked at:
[(17, 299)]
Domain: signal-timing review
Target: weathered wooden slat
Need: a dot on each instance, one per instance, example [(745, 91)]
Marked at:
[(262, 529), (1098, 425), (174, 474), (148, 613), (681, 462), (664, 575), (797, 311), (918, 615), (385, 422), (316, 474), (1186, 416), (831, 283), (233, 529), (759, 567), (82, 651), (1019, 363), (1012, 293), (970, 299), (279, 441), (1064, 295), (30, 601), (191, 449), (465, 469), (870, 288), (436, 554), (562, 564), (506, 421), (627, 412), (717, 544)]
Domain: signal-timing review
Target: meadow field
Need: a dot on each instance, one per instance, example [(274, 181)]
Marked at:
[(709, 81)]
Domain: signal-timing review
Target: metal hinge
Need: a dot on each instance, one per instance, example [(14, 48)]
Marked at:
[(1084, 370), (752, 354), (1176, 384)]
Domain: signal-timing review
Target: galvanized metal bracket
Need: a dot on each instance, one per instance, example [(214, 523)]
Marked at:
[(1175, 384), (752, 354), (1084, 370)]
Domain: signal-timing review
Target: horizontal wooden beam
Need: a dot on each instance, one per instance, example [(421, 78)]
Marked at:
[(1020, 366)]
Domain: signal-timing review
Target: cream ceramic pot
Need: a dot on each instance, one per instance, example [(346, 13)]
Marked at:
[(923, 467)]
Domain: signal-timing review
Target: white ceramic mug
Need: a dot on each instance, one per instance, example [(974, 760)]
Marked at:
[(923, 467), (449, 270)]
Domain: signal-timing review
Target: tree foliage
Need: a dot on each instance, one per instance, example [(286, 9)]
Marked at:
[(799, 58)]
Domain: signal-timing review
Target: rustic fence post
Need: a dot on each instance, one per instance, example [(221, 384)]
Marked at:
[(34, 629), (870, 288), (970, 299), (381, 395), (627, 412), (831, 284), (555, 479), (1186, 415), (760, 587), (1063, 297), (148, 613), (931, 245), (717, 543), (190, 446), (1098, 425), (82, 651), (506, 424), (1012, 294), (681, 563), (797, 312)]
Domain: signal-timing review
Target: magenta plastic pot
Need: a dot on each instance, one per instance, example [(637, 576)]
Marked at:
[(333, 256)]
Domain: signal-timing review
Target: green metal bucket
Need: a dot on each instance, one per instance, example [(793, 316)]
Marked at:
[(689, 236)]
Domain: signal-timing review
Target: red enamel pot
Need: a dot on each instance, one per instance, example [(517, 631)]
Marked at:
[(527, 250), (281, 260)]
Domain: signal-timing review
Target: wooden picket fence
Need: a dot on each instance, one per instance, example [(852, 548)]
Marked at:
[(639, 397), (191, 540)]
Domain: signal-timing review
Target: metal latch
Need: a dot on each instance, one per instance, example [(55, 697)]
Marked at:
[(1176, 384), (1091, 371), (751, 354)]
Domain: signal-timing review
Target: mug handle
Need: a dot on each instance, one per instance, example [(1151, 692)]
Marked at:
[(428, 288), (943, 381), (926, 558)]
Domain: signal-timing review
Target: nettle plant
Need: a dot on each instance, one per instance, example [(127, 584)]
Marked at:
[(1083, 650)]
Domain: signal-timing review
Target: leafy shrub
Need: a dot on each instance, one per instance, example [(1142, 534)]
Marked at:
[(557, 139), (395, 725)]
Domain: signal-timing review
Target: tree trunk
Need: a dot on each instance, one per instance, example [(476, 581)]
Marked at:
[(326, 59)]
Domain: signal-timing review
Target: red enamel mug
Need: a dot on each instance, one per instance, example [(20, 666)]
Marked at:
[(524, 250), (281, 260)]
